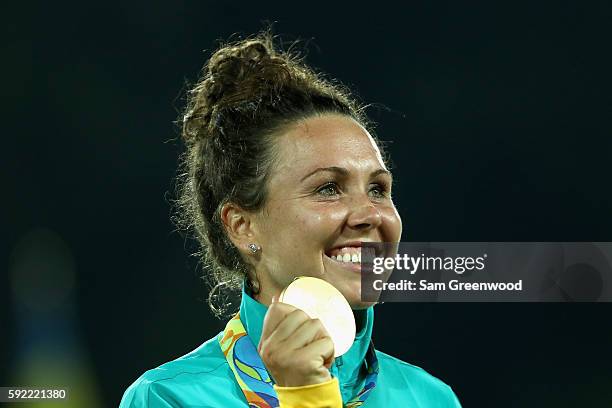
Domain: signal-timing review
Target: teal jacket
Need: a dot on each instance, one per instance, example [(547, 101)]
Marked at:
[(203, 377)]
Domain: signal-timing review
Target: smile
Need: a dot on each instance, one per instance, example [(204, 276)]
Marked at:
[(346, 258)]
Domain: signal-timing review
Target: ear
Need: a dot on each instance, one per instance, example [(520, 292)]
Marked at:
[(239, 225)]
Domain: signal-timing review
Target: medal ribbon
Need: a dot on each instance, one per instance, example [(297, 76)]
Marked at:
[(253, 378)]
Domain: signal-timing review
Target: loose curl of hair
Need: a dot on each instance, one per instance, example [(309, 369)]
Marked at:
[(248, 93)]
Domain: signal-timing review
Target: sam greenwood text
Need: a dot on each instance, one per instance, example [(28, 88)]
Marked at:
[(424, 285)]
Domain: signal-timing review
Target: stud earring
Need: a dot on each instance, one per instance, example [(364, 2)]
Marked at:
[(254, 248)]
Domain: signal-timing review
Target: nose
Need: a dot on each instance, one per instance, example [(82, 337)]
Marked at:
[(364, 215)]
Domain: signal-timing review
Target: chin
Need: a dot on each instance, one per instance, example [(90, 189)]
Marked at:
[(354, 300), (361, 305)]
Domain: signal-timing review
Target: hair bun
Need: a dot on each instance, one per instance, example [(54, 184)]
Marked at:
[(231, 62), (249, 83), (233, 66)]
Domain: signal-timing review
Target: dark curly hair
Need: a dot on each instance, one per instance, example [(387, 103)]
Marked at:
[(249, 92)]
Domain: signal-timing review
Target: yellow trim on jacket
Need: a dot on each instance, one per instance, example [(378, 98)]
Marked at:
[(323, 395)]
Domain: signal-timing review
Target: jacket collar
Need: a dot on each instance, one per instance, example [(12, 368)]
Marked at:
[(347, 367)]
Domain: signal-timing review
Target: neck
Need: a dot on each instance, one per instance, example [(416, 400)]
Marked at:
[(264, 297)]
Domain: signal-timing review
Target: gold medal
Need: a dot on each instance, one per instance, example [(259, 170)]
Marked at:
[(320, 300)]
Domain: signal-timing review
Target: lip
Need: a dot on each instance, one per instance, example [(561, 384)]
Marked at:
[(378, 249), (346, 244)]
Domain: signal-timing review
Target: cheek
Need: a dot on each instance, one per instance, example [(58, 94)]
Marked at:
[(311, 225), (294, 229), (392, 224), (314, 227), (323, 219), (319, 213)]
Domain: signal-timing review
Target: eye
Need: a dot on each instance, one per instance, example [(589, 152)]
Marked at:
[(328, 189), (379, 191)]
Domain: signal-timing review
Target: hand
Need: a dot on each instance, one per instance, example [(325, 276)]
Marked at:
[(296, 349)]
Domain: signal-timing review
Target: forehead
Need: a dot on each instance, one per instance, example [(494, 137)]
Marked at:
[(324, 141)]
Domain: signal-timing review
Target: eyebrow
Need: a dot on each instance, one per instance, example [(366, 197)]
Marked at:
[(344, 172)]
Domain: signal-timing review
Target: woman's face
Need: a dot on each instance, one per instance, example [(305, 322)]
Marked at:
[(328, 191)]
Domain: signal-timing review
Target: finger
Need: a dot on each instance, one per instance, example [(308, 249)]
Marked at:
[(275, 314), (324, 348), (306, 333), (288, 326)]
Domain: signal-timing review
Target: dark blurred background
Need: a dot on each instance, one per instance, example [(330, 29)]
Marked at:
[(498, 118)]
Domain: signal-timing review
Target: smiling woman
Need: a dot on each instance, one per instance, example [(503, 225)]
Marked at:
[(282, 178)]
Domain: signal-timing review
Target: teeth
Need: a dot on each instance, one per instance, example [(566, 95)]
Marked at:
[(347, 254), (354, 258)]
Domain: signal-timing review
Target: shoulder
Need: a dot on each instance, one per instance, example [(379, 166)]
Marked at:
[(423, 386), (183, 382)]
